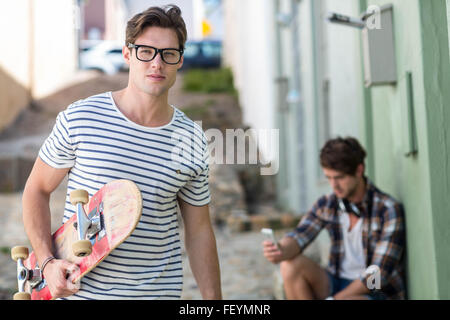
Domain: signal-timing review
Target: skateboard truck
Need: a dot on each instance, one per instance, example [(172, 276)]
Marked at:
[(33, 277), (94, 220), (87, 227)]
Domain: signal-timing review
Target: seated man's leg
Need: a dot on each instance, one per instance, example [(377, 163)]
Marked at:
[(304, 279)]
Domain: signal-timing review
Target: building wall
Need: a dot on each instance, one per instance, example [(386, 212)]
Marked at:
[(41, 54), (265, 81), (331, 83), (379, 116), (14, 62), (94, 18), (116, 20), (55, 51), (248, 50), (436, 69), (420, 181)]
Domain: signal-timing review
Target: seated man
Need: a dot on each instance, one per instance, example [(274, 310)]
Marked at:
[(366, 228)]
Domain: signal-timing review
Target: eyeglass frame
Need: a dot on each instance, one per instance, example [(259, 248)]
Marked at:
[(160, 51)]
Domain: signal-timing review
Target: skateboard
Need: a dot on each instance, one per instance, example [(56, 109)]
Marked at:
[(85, 239)]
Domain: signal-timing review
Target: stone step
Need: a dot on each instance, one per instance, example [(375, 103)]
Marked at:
[(17, 158), (240, 222)]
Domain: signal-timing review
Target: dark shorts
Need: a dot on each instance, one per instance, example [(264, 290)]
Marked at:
[(339, 284)]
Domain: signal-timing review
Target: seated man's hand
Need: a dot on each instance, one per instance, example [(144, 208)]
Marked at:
[(271, 252), (288, 249)]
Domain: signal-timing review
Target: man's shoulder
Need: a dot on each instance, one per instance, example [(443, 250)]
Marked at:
[(97, 100), (386, 202), (87, 108), (184, 119), (326, 201), (383, 196), (325, 206), (185, 124)]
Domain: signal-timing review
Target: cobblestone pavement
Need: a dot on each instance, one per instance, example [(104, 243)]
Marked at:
[(245, 274)]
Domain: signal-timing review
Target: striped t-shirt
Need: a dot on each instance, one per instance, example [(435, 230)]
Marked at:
[(99, 144)]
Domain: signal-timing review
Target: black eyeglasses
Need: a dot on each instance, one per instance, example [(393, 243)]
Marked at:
[(148, 53)]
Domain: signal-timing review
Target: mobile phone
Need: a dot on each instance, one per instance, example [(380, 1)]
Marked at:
[(268, 233)]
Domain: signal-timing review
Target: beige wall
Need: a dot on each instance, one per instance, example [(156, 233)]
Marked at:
[(55, 45), (15, 61), (116, 20), (39, 52), (248, 50)]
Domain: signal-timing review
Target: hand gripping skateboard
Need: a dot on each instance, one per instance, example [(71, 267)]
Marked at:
[(85, 239)]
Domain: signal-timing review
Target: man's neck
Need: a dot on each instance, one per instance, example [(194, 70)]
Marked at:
[(359, 193), (142, 108)]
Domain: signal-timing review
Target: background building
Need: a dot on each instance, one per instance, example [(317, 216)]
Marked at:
[(40, 51), (45, 47), (298, 72)]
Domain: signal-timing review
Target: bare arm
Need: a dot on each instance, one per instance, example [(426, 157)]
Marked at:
[(42, 181), (201, 249)]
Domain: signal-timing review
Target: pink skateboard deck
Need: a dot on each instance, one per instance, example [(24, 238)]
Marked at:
[(119, 206)]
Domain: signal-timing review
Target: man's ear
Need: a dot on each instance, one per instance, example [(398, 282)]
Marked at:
[(360, 170), (180, 64), (126, 52)]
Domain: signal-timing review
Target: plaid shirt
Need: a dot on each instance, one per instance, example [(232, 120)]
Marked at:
[(383, 236)]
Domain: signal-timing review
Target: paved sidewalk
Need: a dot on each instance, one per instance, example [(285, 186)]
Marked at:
[(245, 273)]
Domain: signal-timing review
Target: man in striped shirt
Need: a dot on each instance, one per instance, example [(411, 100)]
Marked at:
[(367, 232), (132, 134)]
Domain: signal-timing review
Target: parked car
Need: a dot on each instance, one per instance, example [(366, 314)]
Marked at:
[(203, 54), (105, 56)]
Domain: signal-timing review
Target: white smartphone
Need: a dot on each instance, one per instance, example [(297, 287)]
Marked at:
[(268, 233)]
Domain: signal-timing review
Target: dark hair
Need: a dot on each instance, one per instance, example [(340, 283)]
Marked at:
[(165, 17), (344, 155)]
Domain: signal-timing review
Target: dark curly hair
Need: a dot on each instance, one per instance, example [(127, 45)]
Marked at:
[(343, 155), (165, 17)]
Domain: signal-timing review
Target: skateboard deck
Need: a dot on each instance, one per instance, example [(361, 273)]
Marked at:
[(119, 206)]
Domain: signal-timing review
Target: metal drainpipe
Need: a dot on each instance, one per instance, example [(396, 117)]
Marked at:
[(79, 28), (295, 97), (282, 110)]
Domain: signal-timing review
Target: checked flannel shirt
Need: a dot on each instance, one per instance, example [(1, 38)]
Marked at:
[(383, 236)]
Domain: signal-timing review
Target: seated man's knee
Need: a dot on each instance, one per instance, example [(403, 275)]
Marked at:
[(293, 268)]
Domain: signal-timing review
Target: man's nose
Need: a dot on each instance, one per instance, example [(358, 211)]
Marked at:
[(157, 61), (334, 183)]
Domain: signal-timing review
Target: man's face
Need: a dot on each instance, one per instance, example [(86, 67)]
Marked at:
[(343, 185), (154, 77)]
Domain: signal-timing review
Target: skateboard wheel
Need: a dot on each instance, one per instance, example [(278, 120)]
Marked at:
[(79, 195), (22, 296), (82, 248), (19, 253)]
